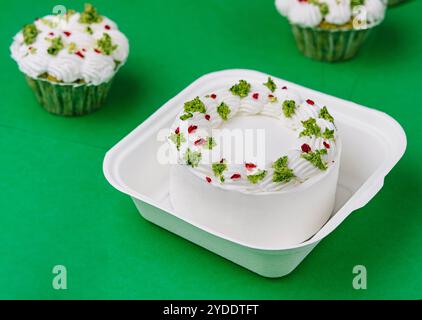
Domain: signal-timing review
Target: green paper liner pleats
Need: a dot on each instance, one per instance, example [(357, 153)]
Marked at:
[(69, 100), (329, 45), (395, 2)]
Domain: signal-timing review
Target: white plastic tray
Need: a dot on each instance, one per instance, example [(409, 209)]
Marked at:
[(373, 143)]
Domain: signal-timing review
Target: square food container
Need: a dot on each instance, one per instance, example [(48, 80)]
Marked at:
[(373, 143)]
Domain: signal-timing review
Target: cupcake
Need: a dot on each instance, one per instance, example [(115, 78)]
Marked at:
[(70, 60), (331, 30)]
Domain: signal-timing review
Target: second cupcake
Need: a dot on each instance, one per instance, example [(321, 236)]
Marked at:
[(331, 30)]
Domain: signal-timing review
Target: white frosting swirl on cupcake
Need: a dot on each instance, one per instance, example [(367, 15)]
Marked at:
[(375, 10), (311, 13), (305, 14), (339, 12), (76, 47)]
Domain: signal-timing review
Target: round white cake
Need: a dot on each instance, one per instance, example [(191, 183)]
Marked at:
[(255, 162)]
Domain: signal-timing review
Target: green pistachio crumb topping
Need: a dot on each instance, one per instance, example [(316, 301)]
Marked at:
[(89, 30), (289, 107), (223, 110), (255, 178), (310, 128), (315, 158), (241, 89), (192, 158), (273, 99), (186, 116), (270, 84), (177, 139), (210, 143), (324, 114), (49, 23), (33, 50), (30, 33), (355, 3), (323, 7), (72, 47), (90, 15), (106, 45), (328, 134), (218, 169), (195, 105), (282, 173), (280, 163), (55, 46)]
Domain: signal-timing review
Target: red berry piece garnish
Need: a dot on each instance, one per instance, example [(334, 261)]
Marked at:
[(306, 148), (80, 54), (222, 160), (213, 96), (199, 142), (235, 176), (67, 33), (250, 166), (51, 33), (255, 96), (326, 145), (207, 117), (177, 130), (208, 179), (192, 129), (311, 102), (97, 51), (107, 27), (284, 88), (270, 96)]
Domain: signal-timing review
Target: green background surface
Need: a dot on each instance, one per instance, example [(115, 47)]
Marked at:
[(57, 208)]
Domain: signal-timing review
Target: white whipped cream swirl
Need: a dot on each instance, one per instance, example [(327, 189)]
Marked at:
[(195, 131)]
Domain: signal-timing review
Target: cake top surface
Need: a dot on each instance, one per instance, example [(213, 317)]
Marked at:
[(199, 138), (70, 48), (332, 14)]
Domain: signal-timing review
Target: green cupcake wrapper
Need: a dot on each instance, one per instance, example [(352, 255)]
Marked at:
[(69, 100), (329, 45), (395, 2)]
